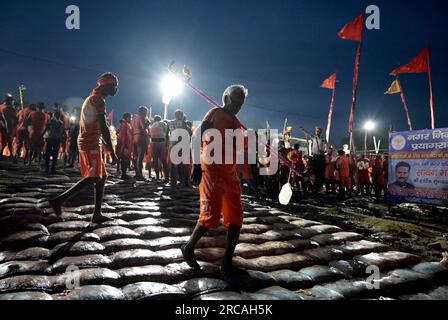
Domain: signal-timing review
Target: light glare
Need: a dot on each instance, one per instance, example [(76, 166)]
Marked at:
[(369, 126)]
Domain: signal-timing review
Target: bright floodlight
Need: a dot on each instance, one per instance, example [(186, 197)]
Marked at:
[(73, 118), (171, 87), (369, 126)]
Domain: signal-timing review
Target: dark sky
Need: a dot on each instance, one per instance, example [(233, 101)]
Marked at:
[(280, 50)]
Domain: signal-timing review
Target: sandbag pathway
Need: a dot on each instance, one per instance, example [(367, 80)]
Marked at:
[(137, 255)]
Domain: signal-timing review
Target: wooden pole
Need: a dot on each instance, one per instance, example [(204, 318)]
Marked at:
[(431, 96)]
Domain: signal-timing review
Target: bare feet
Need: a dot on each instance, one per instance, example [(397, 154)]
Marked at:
[(189, 257), (56, 206), (98, 218)]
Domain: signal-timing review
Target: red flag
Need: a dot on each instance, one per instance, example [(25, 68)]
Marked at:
[(421, 64), (417, 65), (110, 117), (353, 30), (329, 83)]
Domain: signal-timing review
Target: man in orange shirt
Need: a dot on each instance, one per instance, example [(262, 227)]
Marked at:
[(8, 118), (36, 122), (93, 128), (124, 146), (343, 173), (220, 189), (140, 126), (22, 132)]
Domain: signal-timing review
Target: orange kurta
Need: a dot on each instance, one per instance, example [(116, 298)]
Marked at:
[(125, 145), (89, 139), (220, 189), (38, 120), (343, 170)]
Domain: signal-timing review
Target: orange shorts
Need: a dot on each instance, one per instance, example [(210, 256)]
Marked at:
[(92, 164), (220, 194)]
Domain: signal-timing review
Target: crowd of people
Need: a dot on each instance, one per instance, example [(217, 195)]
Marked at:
[(36, 136), (88, 137), (142, 145)]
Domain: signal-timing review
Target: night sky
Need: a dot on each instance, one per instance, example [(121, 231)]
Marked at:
[(280, 50)]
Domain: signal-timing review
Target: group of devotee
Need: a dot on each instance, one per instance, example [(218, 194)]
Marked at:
[(32, 134), (35, 135), (143, 142)]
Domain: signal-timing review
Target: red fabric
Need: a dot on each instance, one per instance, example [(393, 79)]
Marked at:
[(89, 127), (38, 123), (92, 164), (22, 115), (329, 168), (353, 30), (355, 87), (417, 65), (125, 142), (10, 115), (221, 120), (148, 156), (220, 194), (343, 167), (363, 177), (329, 83)]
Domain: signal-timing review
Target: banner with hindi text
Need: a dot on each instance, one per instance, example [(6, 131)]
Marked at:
[(418, 167)]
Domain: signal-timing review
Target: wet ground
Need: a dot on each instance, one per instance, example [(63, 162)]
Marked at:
[(314, 249)]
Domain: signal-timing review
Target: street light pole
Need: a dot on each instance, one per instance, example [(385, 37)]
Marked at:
[(365, 143), (165, 114), (171, 87), (369, 126), (22, 88)]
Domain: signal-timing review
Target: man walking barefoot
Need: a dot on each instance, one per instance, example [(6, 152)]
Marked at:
[(220, 189), (93, 127)]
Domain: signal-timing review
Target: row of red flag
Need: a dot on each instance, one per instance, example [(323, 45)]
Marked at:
[(421, 64)]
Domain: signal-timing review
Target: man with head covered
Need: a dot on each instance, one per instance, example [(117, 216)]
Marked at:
[(220, 189), (93, 129)]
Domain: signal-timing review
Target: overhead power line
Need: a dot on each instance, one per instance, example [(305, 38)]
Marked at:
[(88, 69)]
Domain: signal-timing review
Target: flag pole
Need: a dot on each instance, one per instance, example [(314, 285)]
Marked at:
[(330, 115), (431, 96), (355, 86), (403, 99)]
